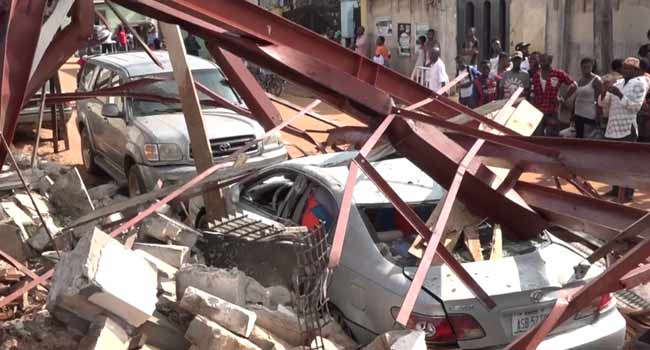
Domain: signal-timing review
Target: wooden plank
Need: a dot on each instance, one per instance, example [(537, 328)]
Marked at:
[(201, 149), (473, 243), (497, 243)]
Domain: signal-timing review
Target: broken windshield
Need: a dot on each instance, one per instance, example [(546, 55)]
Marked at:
[(210, 78), (394, 237)]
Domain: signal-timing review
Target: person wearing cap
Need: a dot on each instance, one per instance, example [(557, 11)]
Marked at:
[(546, 84), (523, 47), (515, 78), (625, 99)]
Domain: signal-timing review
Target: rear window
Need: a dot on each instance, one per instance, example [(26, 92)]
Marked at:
[(393, 235)]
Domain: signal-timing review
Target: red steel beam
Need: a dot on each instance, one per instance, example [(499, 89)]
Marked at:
[(627, 163), (434, 241), (247, 86), (420, 227), (63, 46), (640, 227), (266, 28), (23, 19)]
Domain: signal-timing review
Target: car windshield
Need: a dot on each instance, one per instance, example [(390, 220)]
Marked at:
[(393, 236), (210, 78)]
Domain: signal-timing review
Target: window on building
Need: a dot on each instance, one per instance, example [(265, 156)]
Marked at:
[(487, 28)]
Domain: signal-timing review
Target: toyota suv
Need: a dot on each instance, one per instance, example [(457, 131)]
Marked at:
[(139, 141)]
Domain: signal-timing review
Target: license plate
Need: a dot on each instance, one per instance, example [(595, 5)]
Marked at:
[(523, 321)]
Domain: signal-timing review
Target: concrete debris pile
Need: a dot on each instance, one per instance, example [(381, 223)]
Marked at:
[(151, 289)]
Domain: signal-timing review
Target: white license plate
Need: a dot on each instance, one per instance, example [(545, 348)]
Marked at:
[(523, 321)]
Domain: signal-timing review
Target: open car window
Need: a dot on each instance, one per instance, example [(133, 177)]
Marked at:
[(269, 193)]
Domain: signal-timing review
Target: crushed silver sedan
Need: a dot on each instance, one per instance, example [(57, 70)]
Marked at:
[(376, 269)]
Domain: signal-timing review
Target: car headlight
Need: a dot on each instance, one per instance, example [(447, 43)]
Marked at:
[(163, 152), (273, 139)]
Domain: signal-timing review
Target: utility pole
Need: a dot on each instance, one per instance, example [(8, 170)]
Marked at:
[(603, 33)]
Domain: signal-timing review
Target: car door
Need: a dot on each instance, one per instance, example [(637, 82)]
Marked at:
[(97, 123), (115, 128), (85, 84)]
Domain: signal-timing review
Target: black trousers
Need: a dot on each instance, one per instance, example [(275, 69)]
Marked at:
[(580, 125), (550, 126), (632, 137)]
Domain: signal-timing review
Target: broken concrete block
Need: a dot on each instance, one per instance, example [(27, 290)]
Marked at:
[(267, 340), (13, 242), (26, 203), (208, 335), (104, 191), (325, 344), (45, 184), (162, 334), (105, 333), (334, 332), (233, 317), (165, 270), (283, 323), (231, 285), (279, 295), (174, 255), (102, 272), (69, 195), (399, 340), (166, 229), (40, 240), (18, 216)]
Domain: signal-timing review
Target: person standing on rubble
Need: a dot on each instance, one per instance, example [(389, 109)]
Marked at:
[(486, 87), (515, 78), (361, 44), (438, 77), (625, 99), (470, 49), (122, 39), (546, 89), (585, 112)]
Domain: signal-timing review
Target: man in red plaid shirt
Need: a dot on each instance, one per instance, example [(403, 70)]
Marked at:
[(546, 84)]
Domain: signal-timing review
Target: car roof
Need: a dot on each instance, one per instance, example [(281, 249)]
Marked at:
[(410, 183), (138, 63)]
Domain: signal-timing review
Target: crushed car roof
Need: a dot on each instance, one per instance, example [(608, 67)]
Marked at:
[(138, 63)]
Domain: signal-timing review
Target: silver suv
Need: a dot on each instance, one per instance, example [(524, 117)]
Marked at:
[(139, 141)]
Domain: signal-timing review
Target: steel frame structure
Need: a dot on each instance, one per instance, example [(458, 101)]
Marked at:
[(454, 155)]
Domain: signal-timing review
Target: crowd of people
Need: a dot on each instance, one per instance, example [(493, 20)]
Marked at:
[(615, 106)]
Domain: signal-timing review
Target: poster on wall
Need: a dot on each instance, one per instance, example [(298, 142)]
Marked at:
[(421, 29), (404, 38), (384, 26)]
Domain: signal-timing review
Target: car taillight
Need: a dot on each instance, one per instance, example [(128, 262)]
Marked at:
[(444, 330), (597, 306)]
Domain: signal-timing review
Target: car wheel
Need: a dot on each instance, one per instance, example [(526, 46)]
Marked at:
[(87, 153), (135, 182)]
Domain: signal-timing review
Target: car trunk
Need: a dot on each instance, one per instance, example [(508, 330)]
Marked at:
[(525, 291)]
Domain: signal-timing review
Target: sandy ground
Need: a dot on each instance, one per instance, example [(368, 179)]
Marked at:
[(297, 146)]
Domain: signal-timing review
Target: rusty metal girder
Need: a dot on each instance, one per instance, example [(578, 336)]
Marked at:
[(247, 86), (21, 28), (362, 99), (627, 163)]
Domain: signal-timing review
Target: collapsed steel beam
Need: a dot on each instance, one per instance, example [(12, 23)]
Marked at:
[(627, 163), (247, 86), (22, 21), (360, 98)]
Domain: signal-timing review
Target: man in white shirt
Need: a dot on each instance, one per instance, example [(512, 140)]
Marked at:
[(438, 77), (625, 99), (524, 47)]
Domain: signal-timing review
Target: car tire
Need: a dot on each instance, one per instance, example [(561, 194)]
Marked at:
[(88, 154), (135, 183)]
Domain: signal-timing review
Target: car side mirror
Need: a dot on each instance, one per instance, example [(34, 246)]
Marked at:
[(110, 110)]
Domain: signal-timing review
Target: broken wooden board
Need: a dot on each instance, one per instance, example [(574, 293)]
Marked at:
[(496, 252), (473, 243)]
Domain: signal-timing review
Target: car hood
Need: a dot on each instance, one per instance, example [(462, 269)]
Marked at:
[(219, 123)]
